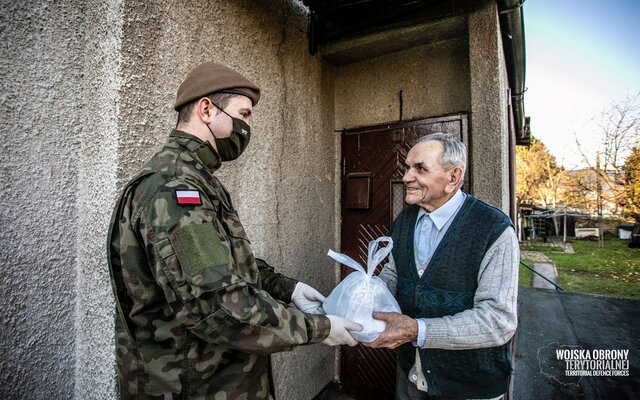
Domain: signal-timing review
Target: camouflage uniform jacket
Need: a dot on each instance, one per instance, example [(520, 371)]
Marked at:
[(197, 314)]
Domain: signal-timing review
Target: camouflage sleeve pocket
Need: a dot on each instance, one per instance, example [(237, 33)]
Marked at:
[(223, 328), (203, 257)]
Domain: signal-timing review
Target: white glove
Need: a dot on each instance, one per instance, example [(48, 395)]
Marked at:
[(307, 299), (339, 333)]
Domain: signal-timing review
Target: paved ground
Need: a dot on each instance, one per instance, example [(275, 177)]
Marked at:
[(333, 392), (536, 256), (550, 321), (546, 276)]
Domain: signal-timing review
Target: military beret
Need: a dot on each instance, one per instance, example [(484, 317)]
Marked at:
[(212, 77)]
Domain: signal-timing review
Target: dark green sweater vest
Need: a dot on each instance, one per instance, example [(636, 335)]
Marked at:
[(447, 287)]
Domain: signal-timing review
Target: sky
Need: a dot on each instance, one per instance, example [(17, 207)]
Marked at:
[(581, 56)]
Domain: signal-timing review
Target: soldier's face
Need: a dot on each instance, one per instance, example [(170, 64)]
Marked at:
[(238, 107), (428, 183)]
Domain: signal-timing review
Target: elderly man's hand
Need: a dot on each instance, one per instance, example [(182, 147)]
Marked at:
[(400, 329)]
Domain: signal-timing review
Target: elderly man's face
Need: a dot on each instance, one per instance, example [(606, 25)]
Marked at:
[(428, 183)]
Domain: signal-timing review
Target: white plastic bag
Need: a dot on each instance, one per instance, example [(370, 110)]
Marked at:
[(361, 293)]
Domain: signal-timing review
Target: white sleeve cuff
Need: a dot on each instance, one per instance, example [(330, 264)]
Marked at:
[(422, 334)]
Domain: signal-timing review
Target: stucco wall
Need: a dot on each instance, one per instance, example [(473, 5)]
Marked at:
[(434, 80), (304, 191), (40, 110), (489, 116), (283, 185), (95, 193), (87, 93)]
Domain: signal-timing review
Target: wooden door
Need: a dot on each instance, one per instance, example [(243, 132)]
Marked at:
[(372, 196)]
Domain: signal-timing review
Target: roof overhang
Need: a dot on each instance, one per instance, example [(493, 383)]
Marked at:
[(370, 23)]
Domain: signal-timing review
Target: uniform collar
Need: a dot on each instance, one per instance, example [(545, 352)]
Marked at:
[(200, 150)]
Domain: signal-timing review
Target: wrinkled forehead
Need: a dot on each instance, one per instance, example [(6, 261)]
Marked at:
[(428, 152)]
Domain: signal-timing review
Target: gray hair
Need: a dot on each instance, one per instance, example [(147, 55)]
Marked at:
[(454, 153)]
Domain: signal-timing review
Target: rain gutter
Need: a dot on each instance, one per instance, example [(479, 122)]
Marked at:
[(512, 28)]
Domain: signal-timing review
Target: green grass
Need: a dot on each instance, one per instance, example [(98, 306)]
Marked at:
[(525, 275), (613, 270)]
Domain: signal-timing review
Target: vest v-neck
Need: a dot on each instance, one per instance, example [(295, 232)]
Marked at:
[(439, 250)]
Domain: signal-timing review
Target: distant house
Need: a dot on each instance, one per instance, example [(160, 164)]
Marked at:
[(592, 193)]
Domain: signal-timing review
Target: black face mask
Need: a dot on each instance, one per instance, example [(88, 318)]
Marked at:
[(231, 147)]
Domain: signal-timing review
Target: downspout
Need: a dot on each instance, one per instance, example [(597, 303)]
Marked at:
[(513, 209), (512, 28)]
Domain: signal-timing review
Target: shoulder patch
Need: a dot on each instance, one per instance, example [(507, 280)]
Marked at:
[(185, 197)]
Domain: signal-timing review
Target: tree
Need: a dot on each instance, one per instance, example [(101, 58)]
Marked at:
[(582, 191), (537, 175), (619, 127), (631, 201)]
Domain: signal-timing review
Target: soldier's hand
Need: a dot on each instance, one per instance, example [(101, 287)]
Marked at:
[(307, 299), (339, 333)]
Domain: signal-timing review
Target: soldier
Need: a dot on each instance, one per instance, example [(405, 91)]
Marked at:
[(197, 313)]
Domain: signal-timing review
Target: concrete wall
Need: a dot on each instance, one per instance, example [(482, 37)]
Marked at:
[(489, 116), (434, 80), (42, 114), (283, 186), (87, 97), (95, 193)]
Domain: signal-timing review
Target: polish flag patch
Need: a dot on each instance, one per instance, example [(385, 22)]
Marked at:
[(188, 197)]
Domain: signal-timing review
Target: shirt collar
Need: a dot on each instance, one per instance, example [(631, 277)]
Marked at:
[(442, 214)]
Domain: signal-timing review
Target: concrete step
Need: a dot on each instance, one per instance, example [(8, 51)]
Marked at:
[(546, 269)]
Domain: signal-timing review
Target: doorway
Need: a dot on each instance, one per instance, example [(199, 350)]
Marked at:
[(372, 196)]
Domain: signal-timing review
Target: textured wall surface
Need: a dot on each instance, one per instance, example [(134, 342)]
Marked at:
[(434, 80), (489, 116), (87, 95), (41, 114), (96, 192), (304, 196)]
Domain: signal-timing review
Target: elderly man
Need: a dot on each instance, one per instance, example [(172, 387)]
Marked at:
[(454, 271), (197, 313)]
